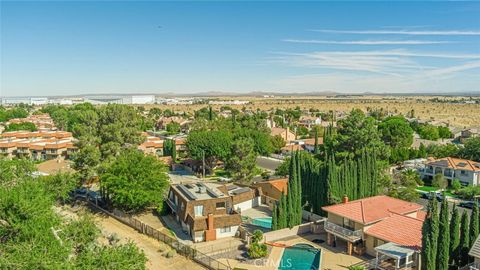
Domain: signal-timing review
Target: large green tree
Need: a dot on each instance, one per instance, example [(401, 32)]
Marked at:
[(213, 145), (396, 132), (357, 132), (34, 236), (134, 181), (21, 126), (242, 160), (471, 149)]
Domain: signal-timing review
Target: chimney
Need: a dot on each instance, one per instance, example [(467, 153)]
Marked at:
[(210, 222), (345, 199)]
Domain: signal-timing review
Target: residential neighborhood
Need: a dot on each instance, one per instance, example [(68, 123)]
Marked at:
[(239, 135)]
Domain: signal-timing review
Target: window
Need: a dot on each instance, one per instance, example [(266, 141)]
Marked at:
[(182, 206), (349, 224), (377, 242), (226, 229), (220, 205), (462, 172), (198, 210)]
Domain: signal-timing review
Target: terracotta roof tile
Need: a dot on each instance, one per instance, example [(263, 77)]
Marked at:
[(402, 230), (372, 209)]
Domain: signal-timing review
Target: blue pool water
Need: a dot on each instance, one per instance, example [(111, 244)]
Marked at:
[(263, 222), (300, 257)]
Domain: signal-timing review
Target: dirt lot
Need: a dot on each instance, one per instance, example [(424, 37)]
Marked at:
[(456, 114), (149, 245)]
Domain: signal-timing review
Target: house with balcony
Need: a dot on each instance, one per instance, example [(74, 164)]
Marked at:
[(207, 211), (466, 171), (37, 145), (310, 121), (386, 228)]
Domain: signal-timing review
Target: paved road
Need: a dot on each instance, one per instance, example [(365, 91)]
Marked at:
[(268, 163), (424, 202)]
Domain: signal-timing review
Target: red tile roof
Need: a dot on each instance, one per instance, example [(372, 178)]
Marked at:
[(455, 163), (401, 230), (280, 184), (372, 209)]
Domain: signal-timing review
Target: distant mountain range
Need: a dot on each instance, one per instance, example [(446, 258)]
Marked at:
[(266, 93)]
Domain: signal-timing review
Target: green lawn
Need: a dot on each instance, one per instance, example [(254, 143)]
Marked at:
[(448, 192), (427, 188)]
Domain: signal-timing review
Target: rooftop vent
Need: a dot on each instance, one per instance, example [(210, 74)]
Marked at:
[(462, 164)]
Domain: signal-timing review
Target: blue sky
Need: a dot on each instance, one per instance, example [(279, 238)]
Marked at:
[(65, 48)]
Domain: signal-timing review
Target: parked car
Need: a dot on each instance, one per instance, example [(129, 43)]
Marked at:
[(468, 204)]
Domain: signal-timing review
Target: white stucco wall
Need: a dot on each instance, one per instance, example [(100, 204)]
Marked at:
[(247, 204), (233, 231)]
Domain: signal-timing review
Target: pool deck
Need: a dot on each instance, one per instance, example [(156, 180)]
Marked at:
[(330, 258), (258, 212)]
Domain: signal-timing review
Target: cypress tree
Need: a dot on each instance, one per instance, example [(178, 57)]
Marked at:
[(173, 150), (291, 191), (454, 235), (430, 237), (298, 221), (316, 149), (283, 214), (274, 217), (464, 240), (210, 113), (444, 239), (474, 224)]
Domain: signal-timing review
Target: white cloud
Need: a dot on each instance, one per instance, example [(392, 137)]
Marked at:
[(368, 42), (392, 63), (453, 69), (353, 83), (402, 32)]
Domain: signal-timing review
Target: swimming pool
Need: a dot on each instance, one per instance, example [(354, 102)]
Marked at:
[(300, 257), (263, 222)]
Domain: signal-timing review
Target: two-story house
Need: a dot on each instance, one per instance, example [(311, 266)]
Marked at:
[(386, 228), (466, 171), (309, 121), (208, 211)]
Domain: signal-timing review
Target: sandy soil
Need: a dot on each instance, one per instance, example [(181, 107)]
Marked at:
[(459, 115), (149, 245)]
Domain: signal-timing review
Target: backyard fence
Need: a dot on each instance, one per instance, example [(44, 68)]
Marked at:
[(182, 249)]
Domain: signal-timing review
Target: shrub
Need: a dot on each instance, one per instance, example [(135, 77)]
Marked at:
[(468, 193), (162, 248), (439, 181), (456, 185), (257, 250), (171, 253)]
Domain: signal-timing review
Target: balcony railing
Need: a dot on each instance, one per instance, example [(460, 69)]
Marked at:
[(342, 232)]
